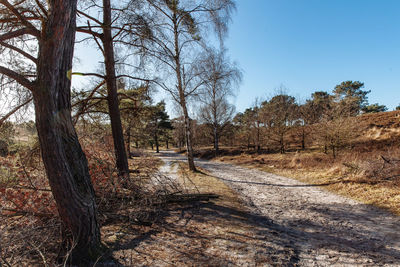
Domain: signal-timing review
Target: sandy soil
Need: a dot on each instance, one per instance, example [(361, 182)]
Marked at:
[(304, 225)]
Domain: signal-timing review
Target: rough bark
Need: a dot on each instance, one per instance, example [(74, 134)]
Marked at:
[(111, 82), (65, 163)]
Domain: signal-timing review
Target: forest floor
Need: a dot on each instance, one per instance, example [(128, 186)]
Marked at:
[(262, 219), (259, 219), (218, 232)]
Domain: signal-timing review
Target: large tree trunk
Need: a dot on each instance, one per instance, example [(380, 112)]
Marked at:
[(182, 99), (65, 163), (189, 143), (111, 82)]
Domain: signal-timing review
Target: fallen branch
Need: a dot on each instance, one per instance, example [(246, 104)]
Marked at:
[(189, 198), (390, 161), (31, 188), (15, 212)]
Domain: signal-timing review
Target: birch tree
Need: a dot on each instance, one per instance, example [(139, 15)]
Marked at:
[(179, 32), (220, 78)]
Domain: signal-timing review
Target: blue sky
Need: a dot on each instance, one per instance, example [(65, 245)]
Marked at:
[(305, 46), (309, 45)]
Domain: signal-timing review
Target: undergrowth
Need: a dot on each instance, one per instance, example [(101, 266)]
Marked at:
[(30, 230)]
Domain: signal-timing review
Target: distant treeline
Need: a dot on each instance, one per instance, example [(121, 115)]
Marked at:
[(326, 120)]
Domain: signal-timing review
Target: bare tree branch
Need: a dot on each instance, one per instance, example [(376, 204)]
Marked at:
[(89, 31), (18, 78), (21, 18), (15, 109), (133, 78), (42, 8), (17, 33), (20, 51), (90, 17), (89, 74)]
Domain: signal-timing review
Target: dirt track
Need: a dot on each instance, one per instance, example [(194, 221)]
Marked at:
[(317, 227)]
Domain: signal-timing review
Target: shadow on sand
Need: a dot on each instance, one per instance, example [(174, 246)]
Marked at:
[(208, 234)]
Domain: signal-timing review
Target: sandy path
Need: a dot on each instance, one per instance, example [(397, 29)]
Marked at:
[(322, 228)]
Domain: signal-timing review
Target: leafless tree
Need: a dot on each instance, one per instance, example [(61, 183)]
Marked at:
[(178, 132), (248, 126), (336, 129), (179, 31), (282, 113), (311, 112), (220, 78)]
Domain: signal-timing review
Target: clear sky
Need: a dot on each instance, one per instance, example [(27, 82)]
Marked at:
[(305, 46), (309, 45)]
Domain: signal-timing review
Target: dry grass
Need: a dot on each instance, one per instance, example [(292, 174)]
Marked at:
[(200, 182), (29, 227), (359, 172), (365, 177)]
